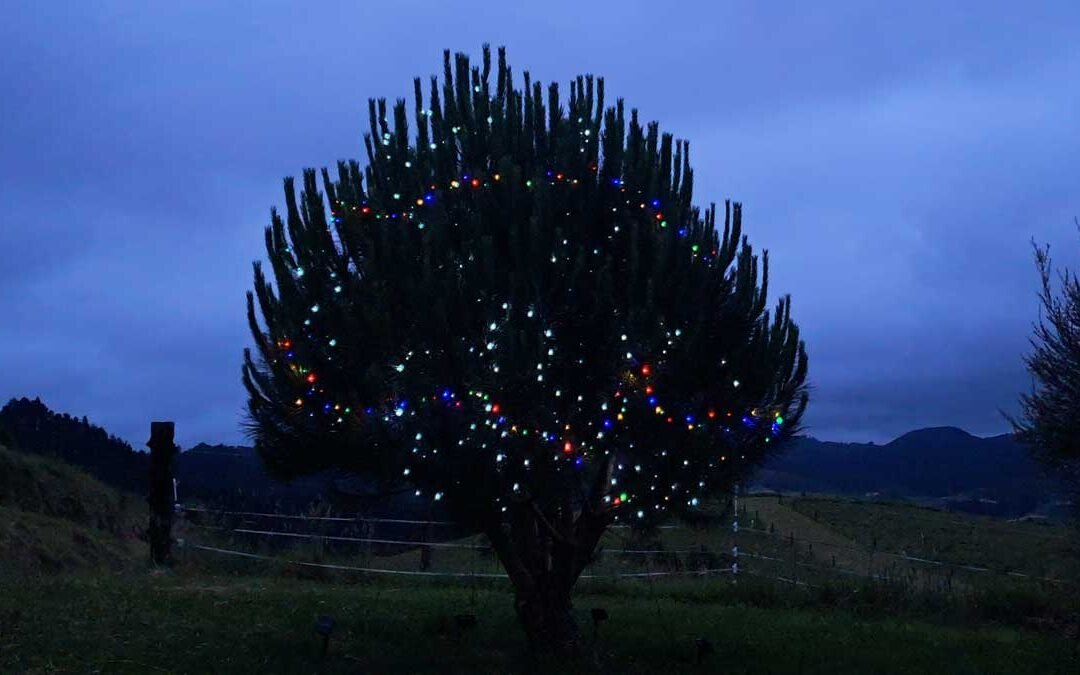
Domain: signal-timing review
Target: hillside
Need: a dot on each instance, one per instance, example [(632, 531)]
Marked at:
[(31, 426), (994, 475), (54, 517)]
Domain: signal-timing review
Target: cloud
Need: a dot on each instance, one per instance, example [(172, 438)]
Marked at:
[(895, 167)]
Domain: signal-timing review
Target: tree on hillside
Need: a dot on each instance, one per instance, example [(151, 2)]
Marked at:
[(518, 312), (32, 427), (1049, 422)]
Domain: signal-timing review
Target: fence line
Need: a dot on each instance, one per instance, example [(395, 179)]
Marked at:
[(415, 573), (919, 516), (901, 556), (341, 519), (909, 558), (359, 518), (398, 542), (454, 545), (413, 542), (783, 579)]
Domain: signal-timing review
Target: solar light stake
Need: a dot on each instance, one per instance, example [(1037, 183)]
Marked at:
[(464, 623), (599, 614), (324, 626), (704, 648)]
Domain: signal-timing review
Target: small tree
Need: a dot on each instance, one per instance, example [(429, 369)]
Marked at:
[(520, 313), (1050, 425)]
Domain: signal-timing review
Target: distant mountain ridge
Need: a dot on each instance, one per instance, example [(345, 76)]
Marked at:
[(938, 463), (941, 465)]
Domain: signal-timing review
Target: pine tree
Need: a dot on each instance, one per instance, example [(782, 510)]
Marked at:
[(519, 312), (1049, 424)]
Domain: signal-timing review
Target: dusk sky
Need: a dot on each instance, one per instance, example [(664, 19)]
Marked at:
[(895, 158)]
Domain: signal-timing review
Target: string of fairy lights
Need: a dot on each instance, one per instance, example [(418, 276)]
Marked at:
[(637, 388)]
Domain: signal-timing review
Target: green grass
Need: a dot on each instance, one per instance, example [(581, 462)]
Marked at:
[(1034, 548), (213, 613), (55, 518), (829, 541), (53, 488), (31, 542), (194, 623)]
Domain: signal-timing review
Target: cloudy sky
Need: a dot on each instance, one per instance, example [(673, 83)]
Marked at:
[(896, 158)]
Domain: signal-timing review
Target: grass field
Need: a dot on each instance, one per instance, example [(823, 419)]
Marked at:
[(101, 610), (193, 623)]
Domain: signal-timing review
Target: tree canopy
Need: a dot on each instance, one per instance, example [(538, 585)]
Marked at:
[(517, 309)]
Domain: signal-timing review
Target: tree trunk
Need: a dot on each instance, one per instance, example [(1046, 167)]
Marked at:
[(546, 615), (544, 558)]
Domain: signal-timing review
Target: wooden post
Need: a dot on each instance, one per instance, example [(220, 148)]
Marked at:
[(794, 562), (425, 550), (160, 495)]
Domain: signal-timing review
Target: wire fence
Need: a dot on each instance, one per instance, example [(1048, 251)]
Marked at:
[(680, 551)]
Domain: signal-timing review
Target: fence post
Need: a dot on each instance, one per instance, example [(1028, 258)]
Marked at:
[(794, 563), (160, 493), (425, 550), (735, 535)]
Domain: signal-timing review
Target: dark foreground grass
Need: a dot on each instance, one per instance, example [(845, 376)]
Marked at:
[(188, 623)]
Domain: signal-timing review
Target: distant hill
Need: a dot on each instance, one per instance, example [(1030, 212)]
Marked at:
[(30, 426), (235, 476), (994, 475), (945, 466)]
